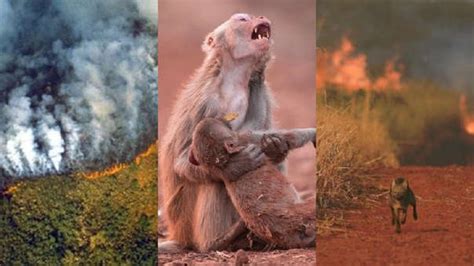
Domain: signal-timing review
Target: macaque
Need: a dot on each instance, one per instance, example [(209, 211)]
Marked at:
[(197, 207), (267, 203)]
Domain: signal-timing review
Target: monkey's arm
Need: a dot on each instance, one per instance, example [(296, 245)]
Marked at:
[(276, 143), (243, 162), (239, 164)]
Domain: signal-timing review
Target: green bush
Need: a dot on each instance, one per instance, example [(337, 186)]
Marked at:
[(74, 220)]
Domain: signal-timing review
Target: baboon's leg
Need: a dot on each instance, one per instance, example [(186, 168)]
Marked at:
[(415, 214), (393, 215), (225, 240), (397, 225), (404, 216)]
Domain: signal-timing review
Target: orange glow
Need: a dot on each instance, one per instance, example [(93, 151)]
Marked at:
[(346, 69), (119, 167), (468, 119), (390, 79), (106, 172)]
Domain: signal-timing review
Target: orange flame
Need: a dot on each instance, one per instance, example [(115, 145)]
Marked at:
[(468, 119), (119, 167), (348, 70)]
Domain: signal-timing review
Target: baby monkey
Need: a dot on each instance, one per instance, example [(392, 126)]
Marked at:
[(267, 203), (400, 197)]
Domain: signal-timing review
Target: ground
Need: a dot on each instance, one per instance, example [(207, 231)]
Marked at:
[(277, 257), (442, 235)]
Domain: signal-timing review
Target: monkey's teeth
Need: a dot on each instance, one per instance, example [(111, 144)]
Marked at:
[(255, 30), (259, 36)]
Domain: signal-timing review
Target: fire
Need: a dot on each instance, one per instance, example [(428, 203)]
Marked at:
[(344, 68), (468, 119), (121, 166), (391, 77)]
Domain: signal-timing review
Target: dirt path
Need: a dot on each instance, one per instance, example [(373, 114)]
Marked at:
[(443, 234)]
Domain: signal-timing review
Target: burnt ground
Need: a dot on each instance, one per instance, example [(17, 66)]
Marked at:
[(442, 235)]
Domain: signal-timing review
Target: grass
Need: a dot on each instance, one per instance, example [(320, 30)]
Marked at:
[(347, 149), (360, 131), (422, 119)]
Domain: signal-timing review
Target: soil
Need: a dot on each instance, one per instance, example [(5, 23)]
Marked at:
[(276, 257), (442, 235)]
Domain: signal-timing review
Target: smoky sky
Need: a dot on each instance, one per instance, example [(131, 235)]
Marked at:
[(434, 40), (78, 84)]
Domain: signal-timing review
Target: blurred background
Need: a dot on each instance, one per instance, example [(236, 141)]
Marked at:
[(404, 64), (183, 26)]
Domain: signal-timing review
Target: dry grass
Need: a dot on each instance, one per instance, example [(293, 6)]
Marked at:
[(347, 149)]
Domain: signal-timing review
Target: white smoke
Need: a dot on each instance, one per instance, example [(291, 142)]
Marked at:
[(78, 84)]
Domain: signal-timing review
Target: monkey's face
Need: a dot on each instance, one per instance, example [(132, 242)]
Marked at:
[(213, 143), (243, 35)]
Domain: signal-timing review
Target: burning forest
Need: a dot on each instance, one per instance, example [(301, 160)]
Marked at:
[(78, 85)]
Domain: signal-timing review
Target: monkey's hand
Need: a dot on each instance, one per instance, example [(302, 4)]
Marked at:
[(275, 147), (243, 162)]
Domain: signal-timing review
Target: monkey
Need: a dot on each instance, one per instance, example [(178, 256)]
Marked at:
[(267, 203), (400, 197), (197, 208)]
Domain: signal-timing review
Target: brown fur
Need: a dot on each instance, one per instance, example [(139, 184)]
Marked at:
[(267, 203), (197, 207), (400, 198)]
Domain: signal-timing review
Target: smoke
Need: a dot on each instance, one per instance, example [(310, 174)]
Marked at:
[(78, 84), (432, 39)]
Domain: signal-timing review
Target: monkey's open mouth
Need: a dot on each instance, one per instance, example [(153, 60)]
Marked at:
[(261, 31)]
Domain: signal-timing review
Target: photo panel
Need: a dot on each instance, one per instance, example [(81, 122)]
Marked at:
[(237, 95), (78, 132), (395, 148)]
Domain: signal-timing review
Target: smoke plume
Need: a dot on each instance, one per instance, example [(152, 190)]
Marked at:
[(78, 84), (432, 39)]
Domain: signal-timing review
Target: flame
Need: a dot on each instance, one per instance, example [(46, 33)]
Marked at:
[(12, 189), (468, 119), (344, 68), (121, 166), (391, 77)]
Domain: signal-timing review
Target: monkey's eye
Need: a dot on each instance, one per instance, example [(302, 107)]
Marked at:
[(241, 17)]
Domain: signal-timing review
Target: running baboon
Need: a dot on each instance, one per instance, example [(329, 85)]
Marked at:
[(267, 203), (400, 197), (197, 208)]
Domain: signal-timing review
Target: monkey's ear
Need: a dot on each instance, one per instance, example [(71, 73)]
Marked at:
[(232, 147), (192, 159), (209, 43)]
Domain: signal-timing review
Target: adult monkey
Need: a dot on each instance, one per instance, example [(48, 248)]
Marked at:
[(197, 207)]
